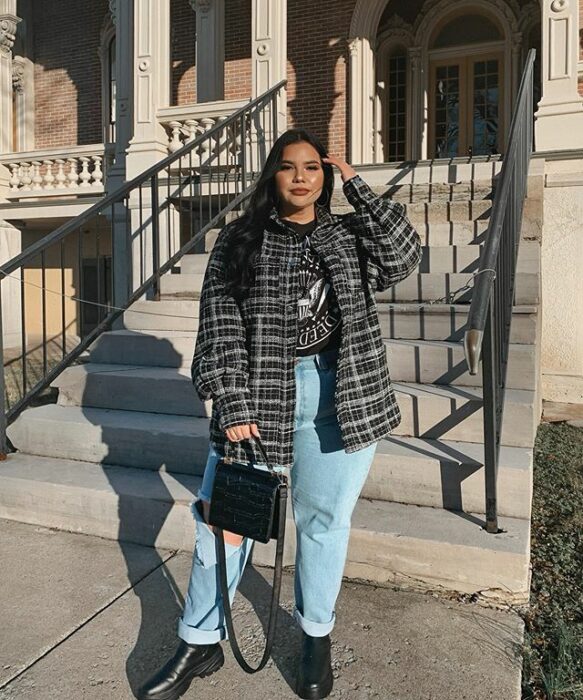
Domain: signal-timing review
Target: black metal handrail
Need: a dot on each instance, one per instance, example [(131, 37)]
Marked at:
[(487, 335), (145, 216)]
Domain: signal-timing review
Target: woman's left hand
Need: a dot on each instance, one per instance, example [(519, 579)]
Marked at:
[(346, 170)]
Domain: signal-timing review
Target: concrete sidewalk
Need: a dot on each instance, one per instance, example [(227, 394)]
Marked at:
[(85, 618)]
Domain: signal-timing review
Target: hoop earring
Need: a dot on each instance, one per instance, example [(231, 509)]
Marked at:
[(323, 204)]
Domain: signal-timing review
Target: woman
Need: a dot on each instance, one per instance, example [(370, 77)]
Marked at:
[(289, 348)]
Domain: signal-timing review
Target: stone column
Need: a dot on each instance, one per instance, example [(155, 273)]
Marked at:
[(362, 81), (559, 118), (210, 49), (122, 14), (151, 83), (8, 23), (10, 236), (269, 56), (149, 143), (416, 120)]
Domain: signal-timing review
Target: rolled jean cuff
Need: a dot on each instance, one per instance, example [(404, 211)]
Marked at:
[(314, 629), (194, 635)]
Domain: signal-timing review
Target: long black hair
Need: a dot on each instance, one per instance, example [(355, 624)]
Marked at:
[(245, 244)]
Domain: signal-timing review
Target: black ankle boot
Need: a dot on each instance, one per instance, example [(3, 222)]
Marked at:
[(174, 678), (314, 678)]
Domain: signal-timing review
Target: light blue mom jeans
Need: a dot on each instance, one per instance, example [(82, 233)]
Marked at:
[(325, 483)]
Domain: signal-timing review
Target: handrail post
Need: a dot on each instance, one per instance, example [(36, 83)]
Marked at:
[(155, 211), (490, 390)]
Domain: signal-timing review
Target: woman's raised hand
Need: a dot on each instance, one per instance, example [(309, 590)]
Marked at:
[(346, 170), (241, 432)]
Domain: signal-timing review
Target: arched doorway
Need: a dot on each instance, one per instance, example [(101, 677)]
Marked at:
[(466, 86), (442, 55)]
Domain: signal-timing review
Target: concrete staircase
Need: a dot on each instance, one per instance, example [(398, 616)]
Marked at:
[(122, 451)]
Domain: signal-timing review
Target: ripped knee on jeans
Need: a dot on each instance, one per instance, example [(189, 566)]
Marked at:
[(203, 508)]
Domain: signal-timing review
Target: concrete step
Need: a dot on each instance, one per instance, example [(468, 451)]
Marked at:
[(455, 413), (151, 348), (443, 362), (390, 543), (465, 258), (179, 318), (155, 441), (448, 322), (422, 286), (428, 192), (166, 314), (438, 212), (448, 474), (428, 286)]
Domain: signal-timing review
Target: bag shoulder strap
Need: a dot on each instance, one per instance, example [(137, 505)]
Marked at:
[(282, 494)]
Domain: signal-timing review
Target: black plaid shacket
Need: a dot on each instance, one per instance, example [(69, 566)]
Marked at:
[(244, 357)]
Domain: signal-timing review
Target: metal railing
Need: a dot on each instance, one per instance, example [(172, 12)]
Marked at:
[(487, 335), (126, 242)]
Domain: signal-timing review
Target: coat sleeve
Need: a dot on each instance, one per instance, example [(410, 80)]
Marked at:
[(386, 237), (220, 369)]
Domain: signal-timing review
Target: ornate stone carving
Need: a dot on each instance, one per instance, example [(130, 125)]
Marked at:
[(7, 32), (18, 64), (559, 5), (507, 10), (113, 10), (395, 31)]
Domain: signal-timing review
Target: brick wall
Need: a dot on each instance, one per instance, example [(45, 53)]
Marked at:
[(182, 52), (67, 72), (318, 70), (237, 51)]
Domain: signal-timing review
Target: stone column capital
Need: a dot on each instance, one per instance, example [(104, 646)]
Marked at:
[(8, 24), (202, 6)]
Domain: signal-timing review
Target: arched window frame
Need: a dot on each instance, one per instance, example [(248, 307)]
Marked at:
[(391, 42), (107, 43)]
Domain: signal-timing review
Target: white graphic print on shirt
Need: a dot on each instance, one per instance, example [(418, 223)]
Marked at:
[(318, 310)]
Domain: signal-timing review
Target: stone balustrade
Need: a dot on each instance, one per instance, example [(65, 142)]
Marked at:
[(76, 171), (184, 124)]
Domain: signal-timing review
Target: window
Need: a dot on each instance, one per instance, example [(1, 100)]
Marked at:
[(396, 117)]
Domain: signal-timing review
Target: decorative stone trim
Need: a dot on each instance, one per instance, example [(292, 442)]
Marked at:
[(18, 73), (8, 24)]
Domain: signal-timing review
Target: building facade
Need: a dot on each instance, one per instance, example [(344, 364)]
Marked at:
[(92, 93)]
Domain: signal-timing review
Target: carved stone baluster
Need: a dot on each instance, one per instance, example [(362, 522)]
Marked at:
[(206, 147), (25, 178), (175, 142), (60, 177), (15, 176), (73, 175), (97, 172), (36, 176), (85, 174), (190, 128), (49, 178)]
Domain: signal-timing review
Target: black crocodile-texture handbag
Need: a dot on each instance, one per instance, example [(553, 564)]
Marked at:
[(246, 500), (252, 503)]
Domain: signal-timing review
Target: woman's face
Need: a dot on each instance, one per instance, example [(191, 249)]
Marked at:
[(300, 178)]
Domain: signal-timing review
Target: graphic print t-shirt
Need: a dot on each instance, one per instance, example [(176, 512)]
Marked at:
[(319, 319)]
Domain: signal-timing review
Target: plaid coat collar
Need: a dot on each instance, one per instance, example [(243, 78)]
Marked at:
[(325, 220)]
